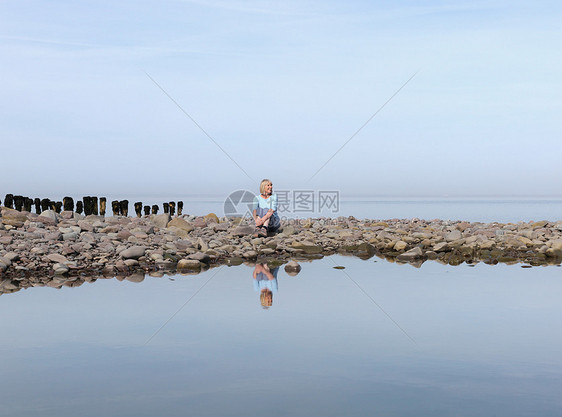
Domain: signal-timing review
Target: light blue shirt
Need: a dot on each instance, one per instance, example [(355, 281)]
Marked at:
[(269, 204)]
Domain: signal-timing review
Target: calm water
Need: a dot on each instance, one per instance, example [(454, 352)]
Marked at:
[(482, 210), (486, 341)]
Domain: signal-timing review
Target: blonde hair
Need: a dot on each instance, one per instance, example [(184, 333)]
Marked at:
[(263, 183), (266, 299)]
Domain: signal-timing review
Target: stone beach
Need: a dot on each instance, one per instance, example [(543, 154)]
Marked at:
[(67, 249)]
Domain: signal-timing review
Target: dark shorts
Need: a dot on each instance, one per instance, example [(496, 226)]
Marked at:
[(274, 221)]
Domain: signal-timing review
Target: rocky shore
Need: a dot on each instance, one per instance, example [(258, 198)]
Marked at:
[(68, 249)]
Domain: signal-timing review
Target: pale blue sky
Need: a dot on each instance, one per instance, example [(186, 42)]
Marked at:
[(281, 86)]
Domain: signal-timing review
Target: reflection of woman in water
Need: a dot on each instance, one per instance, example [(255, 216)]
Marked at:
[(265, 281), (264, 210)]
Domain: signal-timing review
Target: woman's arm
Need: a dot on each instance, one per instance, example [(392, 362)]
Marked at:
[(259, 220)]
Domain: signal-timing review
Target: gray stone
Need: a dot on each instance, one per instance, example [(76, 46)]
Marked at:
[(12, 217), (292, 268), (441, 246), (55, 257), (69, 236), (453, 235), (48, 217), (12, 256), (53, 236), (180, 224), (67, 215), (201, 257), (412, 254), (243, 230), (400, 246), (160, 220), (134, 252), (188, 265)]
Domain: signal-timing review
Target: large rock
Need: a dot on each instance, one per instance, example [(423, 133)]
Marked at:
[(453, 235), (212, 218), (200, 222), (161, 220), (243, 230), (556, 244), (410, 255), (189, 265), (55, 257), (180, 224), (134, 252), (13, 217), (400, 246), (201, 257), (292, 268), (47, 217)]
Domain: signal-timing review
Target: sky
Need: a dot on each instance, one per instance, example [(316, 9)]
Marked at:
[(206, 97)]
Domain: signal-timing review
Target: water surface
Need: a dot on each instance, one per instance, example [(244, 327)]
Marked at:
[(486, 341)]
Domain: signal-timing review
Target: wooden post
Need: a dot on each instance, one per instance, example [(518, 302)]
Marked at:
[(18, 202), (115, 207), (147, 210), (124, 204), (53, 205), (103, 203), (155, 209), (68, 204), (172, 208), (27, 203), (58, 206), (37, 203), (9, 201), (87, 205), (79, 207), (166, 207), (138, 208), (180, 208), (45, 204), (95, 206)]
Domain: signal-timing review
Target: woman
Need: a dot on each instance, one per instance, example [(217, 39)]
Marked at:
[(265, 210)]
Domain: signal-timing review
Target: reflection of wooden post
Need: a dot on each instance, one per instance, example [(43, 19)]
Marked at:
[(172, 208), (9, 201), (37, 203), (18, 202), (124, 204), (27, 203), (58, 206), (103, 203), (95, 206), (155, 209), (166, 207), (138, 209), (79, 207), (45, 204), (180, 208), (147, 210), (68, 204), (115, 207)]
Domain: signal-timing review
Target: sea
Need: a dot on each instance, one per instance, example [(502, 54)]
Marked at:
[(369, 338)]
